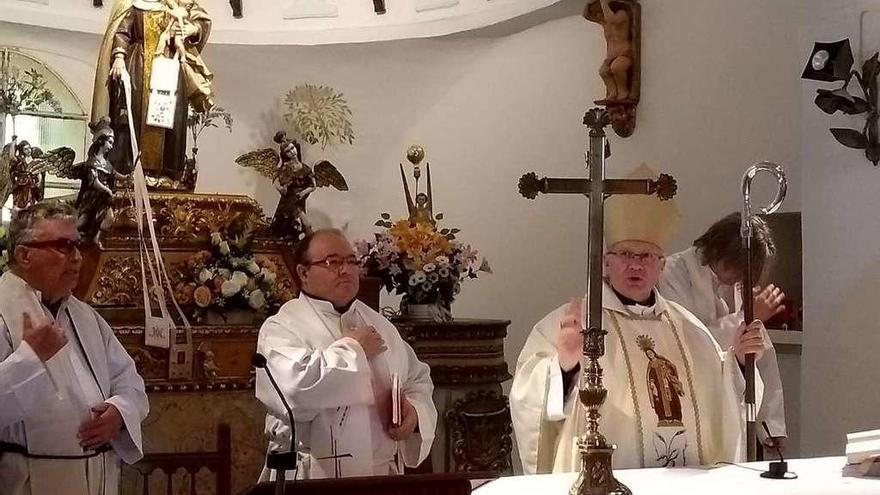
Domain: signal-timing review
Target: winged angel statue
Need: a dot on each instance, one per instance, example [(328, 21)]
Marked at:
[(294, 180), (22, 167)]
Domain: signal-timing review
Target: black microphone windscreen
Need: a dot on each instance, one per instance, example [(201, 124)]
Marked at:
[(259, 360)]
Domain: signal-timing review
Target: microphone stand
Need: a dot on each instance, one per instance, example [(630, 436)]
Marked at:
[(747, 292), (280, 462)]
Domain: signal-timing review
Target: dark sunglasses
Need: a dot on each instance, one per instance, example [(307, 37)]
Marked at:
[(63, 246)]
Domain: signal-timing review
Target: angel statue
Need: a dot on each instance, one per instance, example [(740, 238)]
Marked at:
[(97, 182), (422, 210), (21, 170), (294, 180), (98, 177)]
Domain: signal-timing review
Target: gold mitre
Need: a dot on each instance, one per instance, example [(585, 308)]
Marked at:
[(640, 217)]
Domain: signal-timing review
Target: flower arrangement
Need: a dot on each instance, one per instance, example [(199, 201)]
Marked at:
[(417, 261), (229, 276)]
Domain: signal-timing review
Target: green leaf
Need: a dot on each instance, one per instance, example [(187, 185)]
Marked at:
[(850, 138), (871, 69)]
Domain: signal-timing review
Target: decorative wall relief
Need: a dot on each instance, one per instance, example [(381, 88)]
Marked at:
[(236, 8), (428, 5), (310, 9)]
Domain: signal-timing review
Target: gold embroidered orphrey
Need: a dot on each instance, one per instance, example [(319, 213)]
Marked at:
[(664, 386)]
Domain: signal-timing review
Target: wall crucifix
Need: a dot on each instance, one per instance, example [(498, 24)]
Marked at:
[(621, 22)]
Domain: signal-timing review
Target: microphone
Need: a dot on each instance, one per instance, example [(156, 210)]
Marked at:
[(280, 462), (778, 469)]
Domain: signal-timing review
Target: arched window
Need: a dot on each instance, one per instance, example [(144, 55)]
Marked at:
[(38, 106)]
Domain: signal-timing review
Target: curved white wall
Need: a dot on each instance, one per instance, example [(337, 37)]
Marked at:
[(274, 22)]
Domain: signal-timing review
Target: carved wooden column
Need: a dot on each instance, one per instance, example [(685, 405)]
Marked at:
[(468, 367)]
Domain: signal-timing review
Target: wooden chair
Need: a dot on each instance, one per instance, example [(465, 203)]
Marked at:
[(218, 462)]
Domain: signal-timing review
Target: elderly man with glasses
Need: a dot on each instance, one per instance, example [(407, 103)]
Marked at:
[(72, 401), (337, 363), (674, 396)]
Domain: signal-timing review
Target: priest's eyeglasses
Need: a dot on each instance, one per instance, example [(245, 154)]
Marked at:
[(637, 258), (335, 263), (64, 246)]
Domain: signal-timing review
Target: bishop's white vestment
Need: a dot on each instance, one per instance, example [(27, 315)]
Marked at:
[(341, 401), (674, 398), (43, 405), (688, 282)]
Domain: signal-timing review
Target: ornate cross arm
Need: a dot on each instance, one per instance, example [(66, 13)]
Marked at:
[(530, 185)]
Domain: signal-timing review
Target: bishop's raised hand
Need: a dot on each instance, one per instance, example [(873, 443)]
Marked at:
[(570, 342)]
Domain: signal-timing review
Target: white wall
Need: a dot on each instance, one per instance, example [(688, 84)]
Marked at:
[(842, 270), (720, 91)]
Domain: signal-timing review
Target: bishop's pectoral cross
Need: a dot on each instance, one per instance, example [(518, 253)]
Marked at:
[(595, 474)]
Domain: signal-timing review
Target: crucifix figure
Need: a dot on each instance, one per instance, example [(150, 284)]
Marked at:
[(595, 476), (621, 68)]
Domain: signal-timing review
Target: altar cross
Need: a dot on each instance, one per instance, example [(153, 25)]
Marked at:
[(595, 476)]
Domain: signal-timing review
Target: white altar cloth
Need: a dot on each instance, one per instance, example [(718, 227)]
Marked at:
[(815, 476)]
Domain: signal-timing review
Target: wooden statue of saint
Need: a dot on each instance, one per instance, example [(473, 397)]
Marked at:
[(141, 34)]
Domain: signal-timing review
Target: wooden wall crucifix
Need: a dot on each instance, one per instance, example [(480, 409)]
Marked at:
[(621, 22)]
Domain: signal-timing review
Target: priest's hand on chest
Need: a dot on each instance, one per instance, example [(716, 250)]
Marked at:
[(369, 339), (409, 421), (570, 341), (105, 424), (45, 339), (750, 340)]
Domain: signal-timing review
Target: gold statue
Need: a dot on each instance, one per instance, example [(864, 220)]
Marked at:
[(422, 210), (138, 32)]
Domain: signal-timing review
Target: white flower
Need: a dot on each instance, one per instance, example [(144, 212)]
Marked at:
[(417, 278), (257, 299), (216, 238), (443, 272), (239, 278), (226, 274), (230, 288), (205, 275), (430, 267), (442, 260), (253, 267), (224, 248), (433, 278)]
